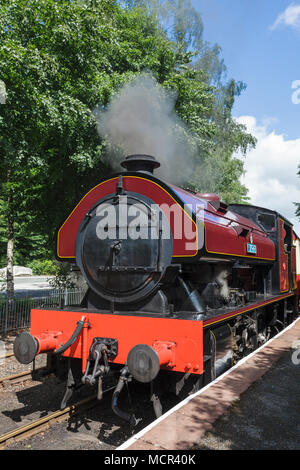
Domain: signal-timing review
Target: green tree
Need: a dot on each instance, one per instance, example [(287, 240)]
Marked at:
[(216, 169), (50, 54), (58, 60), (61, 59)]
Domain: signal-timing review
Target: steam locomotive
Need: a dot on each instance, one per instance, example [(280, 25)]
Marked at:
[(179, 286)]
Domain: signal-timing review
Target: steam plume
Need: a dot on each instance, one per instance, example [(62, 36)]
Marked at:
[(141, 120)]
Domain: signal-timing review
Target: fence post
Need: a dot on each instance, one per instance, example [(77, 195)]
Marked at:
[(66, 296), (6, 315), (19, 309)]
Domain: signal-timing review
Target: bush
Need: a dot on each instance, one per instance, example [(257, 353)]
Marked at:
[(60, 271), (63, 277), (43, 267)]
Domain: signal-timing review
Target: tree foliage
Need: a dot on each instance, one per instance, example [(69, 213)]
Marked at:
[(59, 59), (219, 135)]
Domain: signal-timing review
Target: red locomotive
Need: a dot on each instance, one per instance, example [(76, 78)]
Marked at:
[(296, 244), (179, 285)]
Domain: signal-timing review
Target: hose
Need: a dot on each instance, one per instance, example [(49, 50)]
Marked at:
[(114, 403), (72, 340)]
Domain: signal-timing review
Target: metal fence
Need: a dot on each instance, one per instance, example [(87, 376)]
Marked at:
[(15, 315)]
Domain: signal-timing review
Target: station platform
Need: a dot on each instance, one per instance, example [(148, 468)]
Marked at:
[(242, 409)]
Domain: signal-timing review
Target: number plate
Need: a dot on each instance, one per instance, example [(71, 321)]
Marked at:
[(251, 248)]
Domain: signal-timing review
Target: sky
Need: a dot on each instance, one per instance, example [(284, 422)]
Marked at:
[(260, 41)]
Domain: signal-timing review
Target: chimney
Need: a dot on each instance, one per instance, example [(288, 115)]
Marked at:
[(145, 163)]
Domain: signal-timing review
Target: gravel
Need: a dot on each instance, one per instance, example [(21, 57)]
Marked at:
[(97, 428)]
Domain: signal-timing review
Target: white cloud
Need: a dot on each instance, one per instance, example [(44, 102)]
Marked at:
[(271, 171), (289, 17)]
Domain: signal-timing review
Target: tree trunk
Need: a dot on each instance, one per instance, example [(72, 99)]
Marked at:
[(10, 250)]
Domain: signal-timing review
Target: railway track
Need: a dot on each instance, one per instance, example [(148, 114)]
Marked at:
[(42, 424), (7, 355), (20, 377)]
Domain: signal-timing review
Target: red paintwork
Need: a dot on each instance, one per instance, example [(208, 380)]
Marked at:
[(283, 259), (208, 196), (221, 230), (179, 343), (294, 267), (129, 331), (48, 341), (297, 251), (194, 199), (222, 238), (166, 352), (68, 232), (221, 234)]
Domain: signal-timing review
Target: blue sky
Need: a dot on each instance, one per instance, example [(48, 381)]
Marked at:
[(260, 41), (267, 60)]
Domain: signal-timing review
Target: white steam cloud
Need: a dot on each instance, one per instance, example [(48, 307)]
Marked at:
[(141, 119)]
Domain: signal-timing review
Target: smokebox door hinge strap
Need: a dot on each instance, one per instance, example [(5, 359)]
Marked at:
[(120, 190)]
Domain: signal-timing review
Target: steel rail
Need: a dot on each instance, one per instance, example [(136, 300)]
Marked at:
[(10, 354), (21, 375), (29, 430)]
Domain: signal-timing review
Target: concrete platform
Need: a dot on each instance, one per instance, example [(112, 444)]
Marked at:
[(186, 425)]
